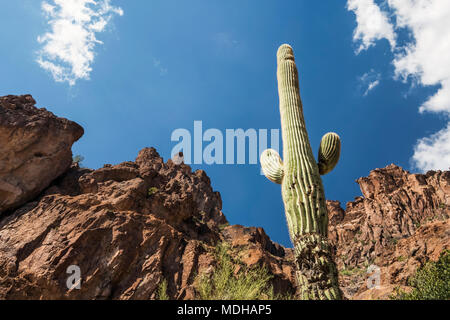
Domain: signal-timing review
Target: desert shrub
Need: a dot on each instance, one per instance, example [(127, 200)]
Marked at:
[(431, 282), (351, 271), (78, 159), (225, 284), (162, 291), (152, 191)]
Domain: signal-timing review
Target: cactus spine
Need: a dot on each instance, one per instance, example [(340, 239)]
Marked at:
[(301, 185)]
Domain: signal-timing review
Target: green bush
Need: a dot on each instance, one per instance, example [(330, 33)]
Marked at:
[(431, 282), (224, 284), (162, 291), (152, 191)]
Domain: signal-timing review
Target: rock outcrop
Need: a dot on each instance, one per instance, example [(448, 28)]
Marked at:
[(131, 226), (35, 148), (401, 222), (127, 227)]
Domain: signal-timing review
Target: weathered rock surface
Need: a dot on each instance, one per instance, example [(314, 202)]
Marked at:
[(401, 222), (127, 227), (35, 148)]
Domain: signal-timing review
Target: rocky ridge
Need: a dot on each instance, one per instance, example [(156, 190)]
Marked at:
[(129, 227), (401, 222)]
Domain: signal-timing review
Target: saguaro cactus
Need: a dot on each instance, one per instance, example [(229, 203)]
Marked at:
[(301, 186)]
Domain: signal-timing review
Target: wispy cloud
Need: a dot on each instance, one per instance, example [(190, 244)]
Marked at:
[(372, 24), (425, 60), (157, 64), (67, 50), (369, 80)]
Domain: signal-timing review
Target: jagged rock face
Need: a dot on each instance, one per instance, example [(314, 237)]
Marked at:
[(130, 226), (127, 227), (401, 222), (35, 148)]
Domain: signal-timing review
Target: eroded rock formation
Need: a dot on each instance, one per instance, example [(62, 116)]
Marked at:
[(35, 148), (129, 227), (401, 222)]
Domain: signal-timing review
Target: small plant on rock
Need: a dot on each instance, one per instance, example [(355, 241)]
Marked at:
[(152, 191), (230, 283), (431, 282)]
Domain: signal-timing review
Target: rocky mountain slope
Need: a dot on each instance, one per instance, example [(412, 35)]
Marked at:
[(401, 222), (129, 227)]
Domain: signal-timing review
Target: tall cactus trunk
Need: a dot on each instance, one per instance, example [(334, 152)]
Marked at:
[(302, 189)]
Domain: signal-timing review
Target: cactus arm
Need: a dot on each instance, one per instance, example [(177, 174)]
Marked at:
[(302, 191), (272, 165), (329, 152)]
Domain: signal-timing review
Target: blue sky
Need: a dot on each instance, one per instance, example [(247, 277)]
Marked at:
[(375, 72)]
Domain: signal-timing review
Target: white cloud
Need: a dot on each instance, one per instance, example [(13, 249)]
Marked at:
[(68, 48), (433, 152), (373, 24), (372, 85), (425, 60), (369, 81)]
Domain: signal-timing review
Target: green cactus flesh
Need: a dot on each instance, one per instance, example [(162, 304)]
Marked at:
[(301, 186), (272, 165), (329, 152)]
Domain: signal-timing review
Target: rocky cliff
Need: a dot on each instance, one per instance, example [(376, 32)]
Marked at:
[(401, 222), (129, 227)]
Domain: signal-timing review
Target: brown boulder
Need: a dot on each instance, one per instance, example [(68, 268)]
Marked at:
[(35, 148)]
